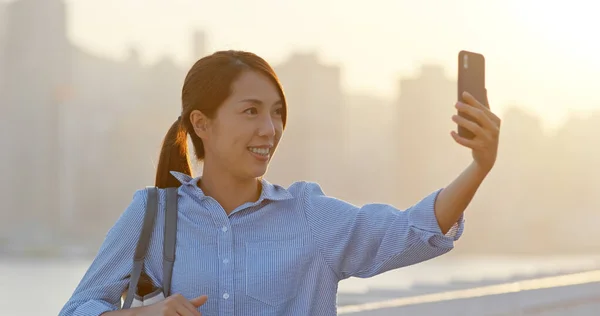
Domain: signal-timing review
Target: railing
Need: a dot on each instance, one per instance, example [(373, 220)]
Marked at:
[(574, 279)]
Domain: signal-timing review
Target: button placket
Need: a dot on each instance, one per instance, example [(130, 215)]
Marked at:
[(226, 274)]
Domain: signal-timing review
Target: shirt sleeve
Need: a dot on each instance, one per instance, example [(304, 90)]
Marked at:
[(106, 279), (375, 238)]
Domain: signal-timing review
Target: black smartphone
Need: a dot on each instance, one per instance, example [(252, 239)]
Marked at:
[(471, 78)]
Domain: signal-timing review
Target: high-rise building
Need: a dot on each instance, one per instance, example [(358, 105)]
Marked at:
[(4, 137), (37, 60), (313, 146), (70, 124), (426, 152), (2, 42), (198, 45), (2, 70)]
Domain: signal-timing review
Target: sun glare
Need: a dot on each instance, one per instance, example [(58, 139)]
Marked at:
[(568, 28)]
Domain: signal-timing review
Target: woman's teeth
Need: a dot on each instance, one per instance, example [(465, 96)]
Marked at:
[(260, 151)]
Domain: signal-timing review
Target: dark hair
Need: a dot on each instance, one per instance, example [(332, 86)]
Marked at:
[(206, 86)]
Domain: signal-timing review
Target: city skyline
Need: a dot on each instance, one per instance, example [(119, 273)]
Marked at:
[(402, 145), (531, 60)]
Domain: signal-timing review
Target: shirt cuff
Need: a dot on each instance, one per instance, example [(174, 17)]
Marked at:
[(422, 216)]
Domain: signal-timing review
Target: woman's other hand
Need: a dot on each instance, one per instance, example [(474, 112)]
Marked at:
[(174, 305)]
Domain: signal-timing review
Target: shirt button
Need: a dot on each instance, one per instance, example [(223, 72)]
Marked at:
[(226, 296), (225, 261), (224, 229)]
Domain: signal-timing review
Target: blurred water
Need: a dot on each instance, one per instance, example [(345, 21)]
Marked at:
[(41, 287)]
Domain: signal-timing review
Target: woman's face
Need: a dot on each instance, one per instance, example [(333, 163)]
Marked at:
[(246, 129)]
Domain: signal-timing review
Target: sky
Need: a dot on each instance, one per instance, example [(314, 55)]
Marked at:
[(540, 55)]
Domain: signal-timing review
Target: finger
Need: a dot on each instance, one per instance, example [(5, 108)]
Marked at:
[(471, 100), (186, 307), (469, 125), (191, 309), (477, 114), (199, 301), (472, 144), (182, 310)]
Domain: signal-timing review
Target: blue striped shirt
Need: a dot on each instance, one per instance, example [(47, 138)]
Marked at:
[(281, 255)]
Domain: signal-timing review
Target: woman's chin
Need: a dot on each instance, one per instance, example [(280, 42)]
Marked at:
[(260, 173), (257, 171)]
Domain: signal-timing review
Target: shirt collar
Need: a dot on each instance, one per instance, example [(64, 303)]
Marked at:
[(270, 191)]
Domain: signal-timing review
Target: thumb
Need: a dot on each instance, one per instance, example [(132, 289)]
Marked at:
[(199, 301)]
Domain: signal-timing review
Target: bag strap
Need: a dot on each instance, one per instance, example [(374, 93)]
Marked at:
[(142, 245), (170, 239)]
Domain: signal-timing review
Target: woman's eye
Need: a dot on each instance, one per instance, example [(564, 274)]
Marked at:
[(279, 111), (251, 111)]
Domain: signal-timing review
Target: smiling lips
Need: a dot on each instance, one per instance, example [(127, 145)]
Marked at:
[(261, 153)]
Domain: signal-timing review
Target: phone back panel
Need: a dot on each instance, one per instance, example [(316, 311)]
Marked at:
[(471, 78)]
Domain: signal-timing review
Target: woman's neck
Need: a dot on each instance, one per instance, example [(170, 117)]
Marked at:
[(229, 191)]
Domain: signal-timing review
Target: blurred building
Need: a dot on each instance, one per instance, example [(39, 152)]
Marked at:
[(76, 126), (36, 66), (199, 49), (313, 145), (427, 157), (2, 43), (5, 217), (128, 108), (370, 133)]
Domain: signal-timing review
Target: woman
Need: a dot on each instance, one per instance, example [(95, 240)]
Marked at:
[(248, 247)]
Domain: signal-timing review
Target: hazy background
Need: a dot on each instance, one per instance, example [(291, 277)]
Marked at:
[(89, 88)]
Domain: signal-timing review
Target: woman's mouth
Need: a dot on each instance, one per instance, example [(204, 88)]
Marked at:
[(260, 153)]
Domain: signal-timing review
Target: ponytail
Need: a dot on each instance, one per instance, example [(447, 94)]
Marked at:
[(173, 157)]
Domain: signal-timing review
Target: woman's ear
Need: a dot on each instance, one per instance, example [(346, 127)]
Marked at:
[(199, 123)]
